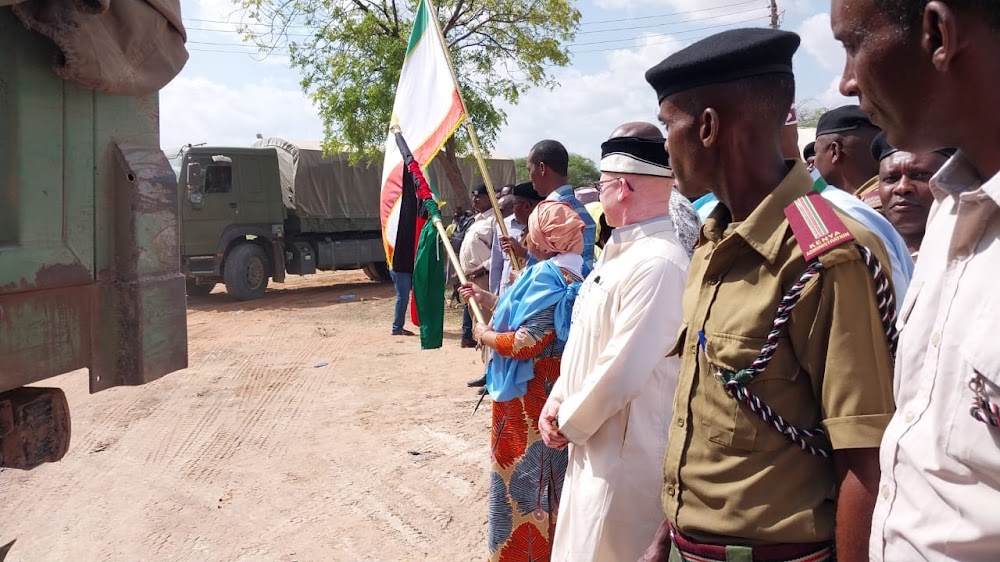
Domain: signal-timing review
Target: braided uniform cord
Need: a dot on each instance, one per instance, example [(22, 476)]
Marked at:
[(736, 383)]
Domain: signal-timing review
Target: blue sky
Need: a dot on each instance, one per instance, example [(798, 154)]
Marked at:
[(226, 94)]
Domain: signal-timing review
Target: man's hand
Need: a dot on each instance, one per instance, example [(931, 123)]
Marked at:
[(659, 549), (508, 244), (547, 425), (478, 330)]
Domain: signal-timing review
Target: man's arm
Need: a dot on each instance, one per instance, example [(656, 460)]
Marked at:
[(857, 472)]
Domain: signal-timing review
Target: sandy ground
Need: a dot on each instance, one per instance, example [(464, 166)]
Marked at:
[(256, 453)]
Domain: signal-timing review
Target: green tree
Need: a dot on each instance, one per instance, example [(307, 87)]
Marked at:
[(810, 117), (582, 170), (350, 53)]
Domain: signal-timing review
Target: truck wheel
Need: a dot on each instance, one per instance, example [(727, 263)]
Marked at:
[(378, 272), (196, 290), (246, 272)]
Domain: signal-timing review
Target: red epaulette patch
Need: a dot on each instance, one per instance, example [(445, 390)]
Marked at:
[(816, 226)]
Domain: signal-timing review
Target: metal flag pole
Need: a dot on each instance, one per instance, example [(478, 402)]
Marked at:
[(514, 261)]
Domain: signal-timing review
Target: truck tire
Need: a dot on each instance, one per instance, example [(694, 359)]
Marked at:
[(246, 272), (378, 272), (196, 290)]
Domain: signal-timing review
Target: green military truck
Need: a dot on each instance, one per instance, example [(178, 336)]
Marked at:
[(89, 243), (255, 214)]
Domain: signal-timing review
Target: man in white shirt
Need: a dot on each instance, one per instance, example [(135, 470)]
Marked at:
[(474, 255), (940, 455), (612, 402)]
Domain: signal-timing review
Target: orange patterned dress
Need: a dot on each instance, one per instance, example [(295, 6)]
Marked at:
[(526, 477)]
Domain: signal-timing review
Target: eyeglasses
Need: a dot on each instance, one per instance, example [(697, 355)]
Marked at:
[(599, 185)]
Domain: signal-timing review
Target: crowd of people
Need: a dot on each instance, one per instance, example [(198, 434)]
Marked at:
[(774, 356)]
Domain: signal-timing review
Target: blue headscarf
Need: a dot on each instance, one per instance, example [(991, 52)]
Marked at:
[(539, 287)]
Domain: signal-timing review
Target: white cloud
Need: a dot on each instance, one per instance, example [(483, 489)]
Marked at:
[(196, 109), (585, 108), (829, 98), (818, 41)]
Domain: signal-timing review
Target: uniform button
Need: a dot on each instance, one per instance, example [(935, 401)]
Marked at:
[(671, 491), (936, 339), (909, 417), (886, 491), (680, 422), (713, 280)]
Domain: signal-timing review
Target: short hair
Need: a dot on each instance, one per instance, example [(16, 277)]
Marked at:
[(553, 154), (765, 97), (908, 13)]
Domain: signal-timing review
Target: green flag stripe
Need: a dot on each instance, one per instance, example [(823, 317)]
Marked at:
[(419, 27)]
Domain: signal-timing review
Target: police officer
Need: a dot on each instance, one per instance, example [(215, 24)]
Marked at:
[(785, 384)]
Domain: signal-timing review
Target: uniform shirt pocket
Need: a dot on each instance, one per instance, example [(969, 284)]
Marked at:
[(971, 442), (731, 423)]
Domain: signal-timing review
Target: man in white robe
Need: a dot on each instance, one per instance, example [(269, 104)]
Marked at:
[(613, 401)]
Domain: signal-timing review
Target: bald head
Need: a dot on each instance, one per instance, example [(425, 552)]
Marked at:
[(638, 129)]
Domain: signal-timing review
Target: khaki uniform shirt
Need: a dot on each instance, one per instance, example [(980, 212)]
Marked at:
[(869, 194), (729, 477)]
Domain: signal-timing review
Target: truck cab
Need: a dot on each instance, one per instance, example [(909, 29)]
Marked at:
[(241, 224)]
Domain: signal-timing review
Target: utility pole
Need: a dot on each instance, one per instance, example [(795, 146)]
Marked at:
[(774, 14)]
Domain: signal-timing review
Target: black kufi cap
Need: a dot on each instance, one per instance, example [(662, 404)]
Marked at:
[(634, 155), (724, 57), (881, 149), (841, 120), (527, 191)]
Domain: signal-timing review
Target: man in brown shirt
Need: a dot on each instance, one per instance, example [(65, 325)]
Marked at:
[(737, 487)]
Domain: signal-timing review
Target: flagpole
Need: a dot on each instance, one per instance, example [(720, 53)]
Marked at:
[(514, 261), (452, 256)]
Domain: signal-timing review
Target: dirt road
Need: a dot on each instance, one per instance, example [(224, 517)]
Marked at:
[(257, 453)]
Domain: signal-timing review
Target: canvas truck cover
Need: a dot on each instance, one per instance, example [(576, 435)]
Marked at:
[(314, 186), (320, 187)]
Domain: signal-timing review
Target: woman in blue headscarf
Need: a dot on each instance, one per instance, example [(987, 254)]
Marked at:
[(527, 335)]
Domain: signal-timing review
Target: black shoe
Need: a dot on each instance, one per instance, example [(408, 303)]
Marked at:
[(468, 343), (481, 381)]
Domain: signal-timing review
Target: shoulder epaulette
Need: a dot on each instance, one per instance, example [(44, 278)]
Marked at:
[(816, 226)]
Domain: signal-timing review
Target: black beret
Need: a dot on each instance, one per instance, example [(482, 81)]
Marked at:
[(479, 189), (634, 155), (842, 119), (527, 191), (724, 57), (809, 151), (881, 149)]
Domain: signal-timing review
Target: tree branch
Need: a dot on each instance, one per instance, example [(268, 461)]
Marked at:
[(361, 5), (454, 17)]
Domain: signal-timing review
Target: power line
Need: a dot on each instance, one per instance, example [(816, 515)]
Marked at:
[(583, 23), (572, 51), (758, 19), (609, 30)]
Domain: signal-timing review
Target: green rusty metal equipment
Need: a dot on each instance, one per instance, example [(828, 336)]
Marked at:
[(89, 238)]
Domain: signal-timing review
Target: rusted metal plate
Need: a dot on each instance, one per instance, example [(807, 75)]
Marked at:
[(44, 334), (89, 249)]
